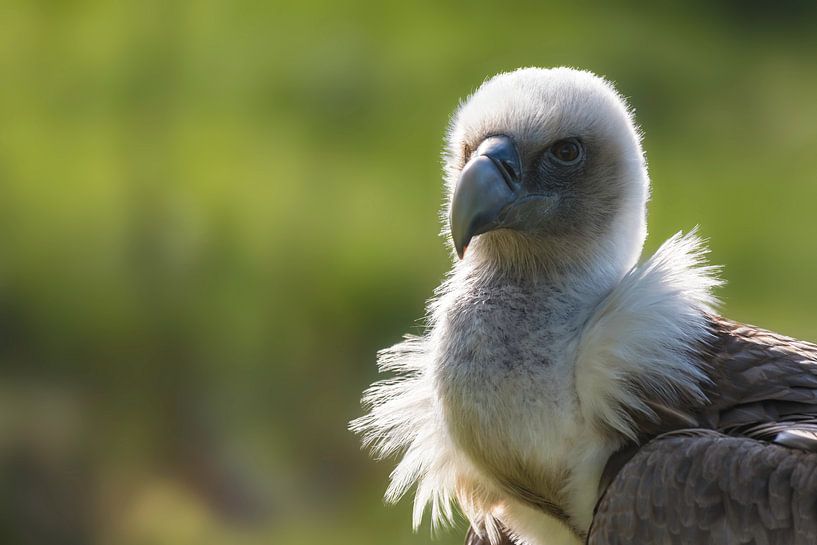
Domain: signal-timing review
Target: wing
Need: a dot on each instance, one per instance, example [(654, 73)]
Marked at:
[(702, 486), (729, 482), (763, 383)]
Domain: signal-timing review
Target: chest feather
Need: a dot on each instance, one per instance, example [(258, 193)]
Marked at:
[(505, 379)]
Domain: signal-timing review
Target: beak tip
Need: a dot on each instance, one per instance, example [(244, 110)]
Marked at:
[(460, 243)]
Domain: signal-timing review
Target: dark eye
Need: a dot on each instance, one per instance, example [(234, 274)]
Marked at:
[(566, 151)]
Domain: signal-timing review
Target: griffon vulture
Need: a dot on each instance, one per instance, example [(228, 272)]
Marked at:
[(559, 377)]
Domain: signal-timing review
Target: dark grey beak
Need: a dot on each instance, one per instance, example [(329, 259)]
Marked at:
[(489, 183)]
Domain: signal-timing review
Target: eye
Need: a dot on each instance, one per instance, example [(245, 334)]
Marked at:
[(566, 151)]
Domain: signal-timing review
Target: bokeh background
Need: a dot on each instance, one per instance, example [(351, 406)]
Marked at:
[(213, 213)]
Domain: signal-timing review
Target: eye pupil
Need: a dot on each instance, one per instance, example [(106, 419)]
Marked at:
[(566, 151)]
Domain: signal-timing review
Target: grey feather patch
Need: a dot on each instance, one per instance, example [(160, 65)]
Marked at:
[(712, 489)]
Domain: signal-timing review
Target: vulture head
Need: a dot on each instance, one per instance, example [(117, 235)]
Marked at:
[(544, 168)]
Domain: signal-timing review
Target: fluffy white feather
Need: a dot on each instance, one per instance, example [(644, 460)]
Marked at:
[(645, 330)]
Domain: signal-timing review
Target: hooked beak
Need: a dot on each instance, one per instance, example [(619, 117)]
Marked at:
[(489, 184)]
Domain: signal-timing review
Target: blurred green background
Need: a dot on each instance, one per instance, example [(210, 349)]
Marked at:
[(212, 214)]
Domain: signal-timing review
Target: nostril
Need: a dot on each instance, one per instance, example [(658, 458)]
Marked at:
[(507, 171), (509, 168)]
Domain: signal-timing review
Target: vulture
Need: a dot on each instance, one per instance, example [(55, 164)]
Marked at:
[(567, 391)]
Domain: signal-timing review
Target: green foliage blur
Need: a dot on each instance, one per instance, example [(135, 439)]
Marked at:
[(213, 213)]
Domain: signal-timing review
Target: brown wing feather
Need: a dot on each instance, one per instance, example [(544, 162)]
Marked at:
[(759, 377), (762, 385), (706, 487)]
